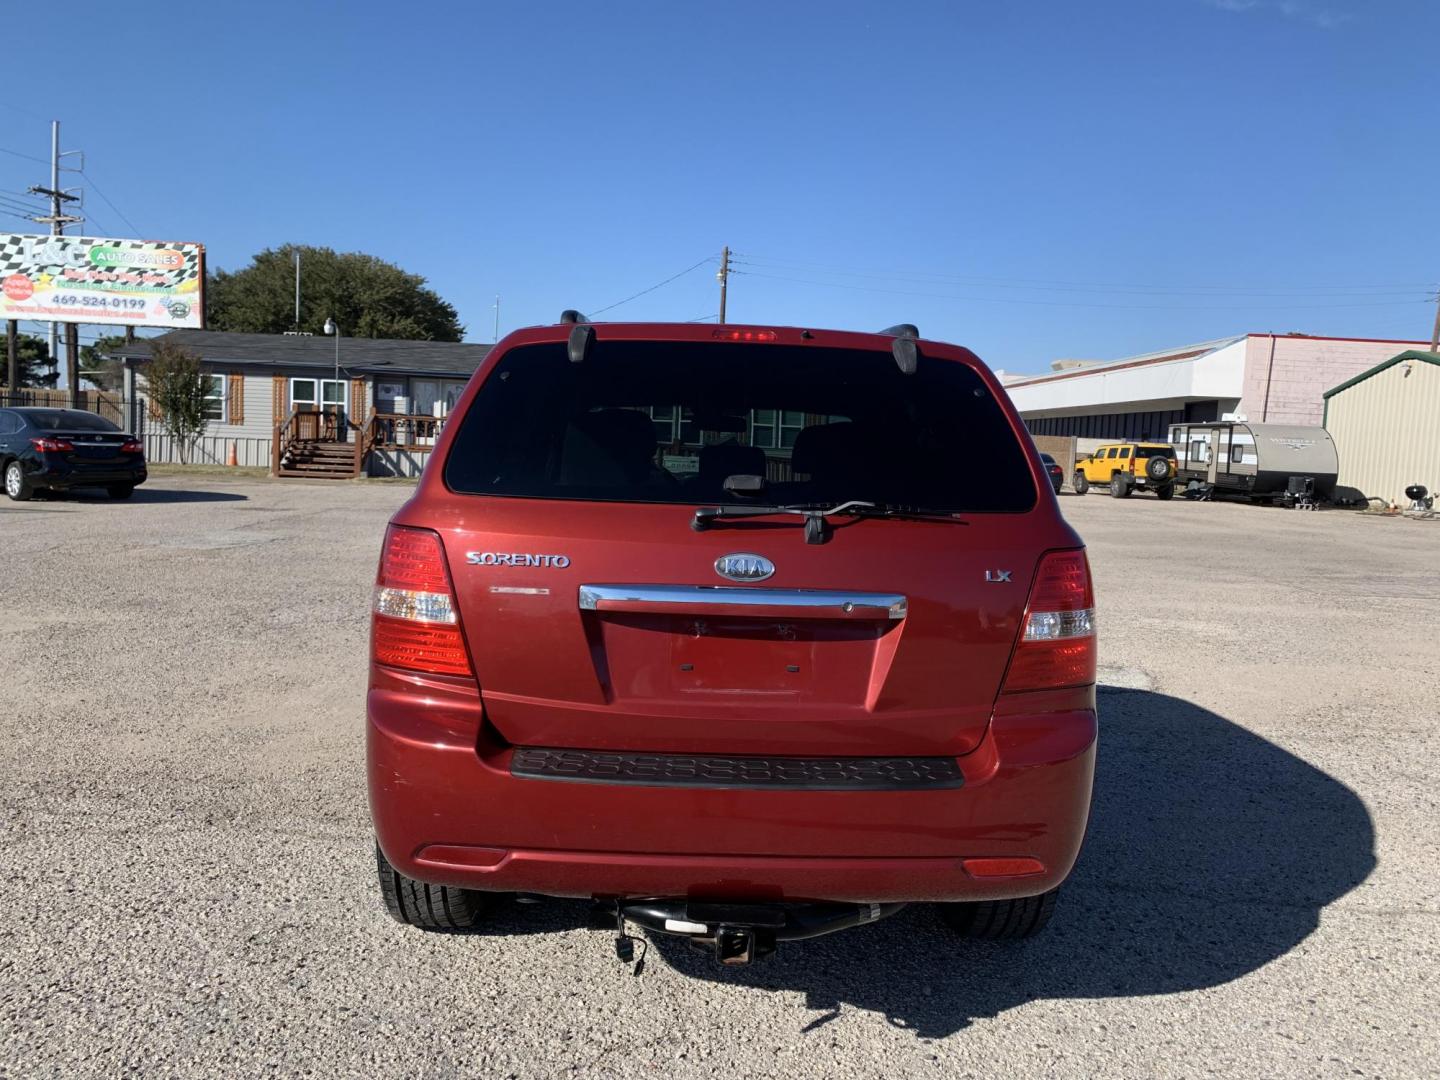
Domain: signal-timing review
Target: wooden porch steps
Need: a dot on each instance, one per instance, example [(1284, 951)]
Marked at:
[(320, 460)]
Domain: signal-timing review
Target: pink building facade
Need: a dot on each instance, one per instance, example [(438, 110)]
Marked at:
[(1286, 376)]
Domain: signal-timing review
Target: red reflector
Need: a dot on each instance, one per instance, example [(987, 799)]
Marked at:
[(413, 560), (433, 647), (461, 855), (1002, 867)]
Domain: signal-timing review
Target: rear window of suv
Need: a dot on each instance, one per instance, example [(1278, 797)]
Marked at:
[(669, 422), (1154, 451)]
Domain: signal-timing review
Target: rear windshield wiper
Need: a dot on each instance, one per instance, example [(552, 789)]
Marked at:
[(816, 529)]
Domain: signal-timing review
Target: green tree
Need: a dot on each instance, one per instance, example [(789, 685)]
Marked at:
[(96, 369), (34, 360), (176, 388), (367, 296)]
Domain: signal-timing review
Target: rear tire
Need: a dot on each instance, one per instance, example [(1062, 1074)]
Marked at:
[(998, 920), (1119, 489), (16, 486), (1082, 485), (121, 491), (430, 907), (1165, 492)]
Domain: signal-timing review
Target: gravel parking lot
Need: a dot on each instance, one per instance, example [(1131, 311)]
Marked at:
[(186, 884)]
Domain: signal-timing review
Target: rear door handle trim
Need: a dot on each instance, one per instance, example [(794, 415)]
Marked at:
[(719, 599)]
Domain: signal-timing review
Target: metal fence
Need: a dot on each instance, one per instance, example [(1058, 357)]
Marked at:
[(161, 448), (101, 402)]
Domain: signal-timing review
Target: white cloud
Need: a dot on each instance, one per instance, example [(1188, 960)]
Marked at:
[(1306, 11)]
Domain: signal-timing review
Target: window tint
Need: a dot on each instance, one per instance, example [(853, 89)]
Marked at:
[(1124, 451), (668, 422), (9, 423), (1112, 451), (68, 420)]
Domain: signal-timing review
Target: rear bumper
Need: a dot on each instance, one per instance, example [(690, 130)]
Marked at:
[(63, 474), (447, 810)]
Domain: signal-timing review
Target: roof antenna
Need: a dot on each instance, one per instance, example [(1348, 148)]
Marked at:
[(904, 347)]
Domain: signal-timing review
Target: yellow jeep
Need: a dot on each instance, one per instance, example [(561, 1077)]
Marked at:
[(1125, 466)]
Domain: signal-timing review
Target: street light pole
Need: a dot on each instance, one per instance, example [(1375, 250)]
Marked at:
[(332, 328)]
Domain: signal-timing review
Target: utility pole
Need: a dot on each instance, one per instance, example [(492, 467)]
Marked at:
[(12, 353), (57, 221), (1435, 334), (724, 276), (297, 288), (72, 362), (497, 318)]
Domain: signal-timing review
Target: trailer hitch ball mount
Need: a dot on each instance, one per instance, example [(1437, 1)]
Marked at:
[(739, 934)]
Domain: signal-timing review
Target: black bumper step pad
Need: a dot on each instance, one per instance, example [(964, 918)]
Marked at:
[(723, 771)]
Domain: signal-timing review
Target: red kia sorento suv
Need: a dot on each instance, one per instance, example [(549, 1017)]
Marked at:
[(722, 629)]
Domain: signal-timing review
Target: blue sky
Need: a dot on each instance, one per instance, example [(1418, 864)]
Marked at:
[(1034, 180)]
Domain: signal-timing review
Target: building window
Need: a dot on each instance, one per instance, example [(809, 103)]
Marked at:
[(214, 397), (674, 425), (775, 428)]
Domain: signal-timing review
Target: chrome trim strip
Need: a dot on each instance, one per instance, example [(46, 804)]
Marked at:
[(804, 601)]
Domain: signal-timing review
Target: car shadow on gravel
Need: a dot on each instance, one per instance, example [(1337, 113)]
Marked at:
[(149, 495), (1210, 853)]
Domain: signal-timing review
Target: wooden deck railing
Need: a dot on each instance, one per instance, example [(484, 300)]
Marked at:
[(382, 431), (302, 426), (404, 431)]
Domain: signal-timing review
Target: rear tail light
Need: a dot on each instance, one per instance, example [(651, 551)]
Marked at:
[(132, 446), (52, 446), (1132, 466), (1057, 642), (415, 624)]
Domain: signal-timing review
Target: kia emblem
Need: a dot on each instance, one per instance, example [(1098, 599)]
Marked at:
[(744, 566)]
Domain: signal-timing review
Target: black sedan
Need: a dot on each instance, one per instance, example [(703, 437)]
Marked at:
[(1057, 475), (67, 448)]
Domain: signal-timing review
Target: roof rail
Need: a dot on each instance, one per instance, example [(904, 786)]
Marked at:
[(904, 347), (570, 315)]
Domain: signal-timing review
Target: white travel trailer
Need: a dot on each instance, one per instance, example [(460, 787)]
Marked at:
[(1256, 460)]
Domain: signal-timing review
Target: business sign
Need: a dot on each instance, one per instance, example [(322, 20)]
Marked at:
[(82, 279)]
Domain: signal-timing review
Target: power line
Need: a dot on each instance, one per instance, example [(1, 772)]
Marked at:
[(27, 157), (1049, 285), (133, 227), (1067, 303), (652, 288)]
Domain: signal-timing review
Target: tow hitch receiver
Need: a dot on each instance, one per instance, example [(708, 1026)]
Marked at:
[(743, 933)]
